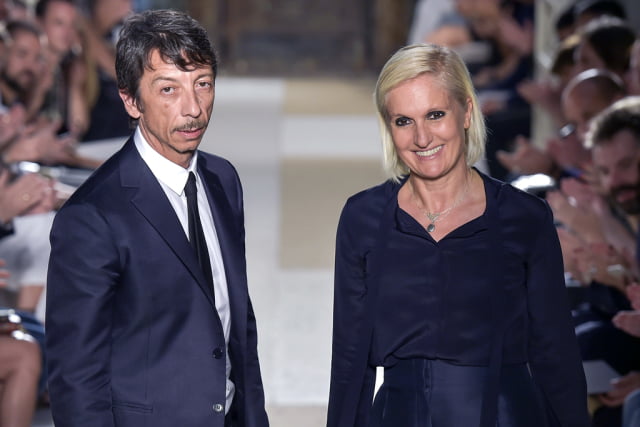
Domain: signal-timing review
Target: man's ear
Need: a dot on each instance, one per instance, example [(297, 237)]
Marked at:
[(130, 104)]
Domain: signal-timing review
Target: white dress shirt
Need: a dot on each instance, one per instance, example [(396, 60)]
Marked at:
[(173, 178)]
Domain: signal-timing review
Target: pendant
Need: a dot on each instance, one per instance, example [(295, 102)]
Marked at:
[(431, 227)]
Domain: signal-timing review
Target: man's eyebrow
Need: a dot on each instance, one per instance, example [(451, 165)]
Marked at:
[(162, 78), (173, 79)]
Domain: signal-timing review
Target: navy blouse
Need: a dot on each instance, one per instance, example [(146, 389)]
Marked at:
[(496, 279)]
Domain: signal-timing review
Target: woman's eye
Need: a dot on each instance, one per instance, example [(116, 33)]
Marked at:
[(434, 115), (402, 121)]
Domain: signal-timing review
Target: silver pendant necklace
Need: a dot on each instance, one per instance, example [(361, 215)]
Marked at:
[(437, 216)]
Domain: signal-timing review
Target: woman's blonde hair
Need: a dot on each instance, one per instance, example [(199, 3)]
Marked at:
[(408, 63)]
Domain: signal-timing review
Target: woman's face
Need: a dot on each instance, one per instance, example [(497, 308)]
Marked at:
[(428, 126)]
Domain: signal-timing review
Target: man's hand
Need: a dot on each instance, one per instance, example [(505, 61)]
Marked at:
[(568, 152), (28, 194), (525, 159), (39, 143), (599, 261), (633, 293), (622, 387), (628, 321)]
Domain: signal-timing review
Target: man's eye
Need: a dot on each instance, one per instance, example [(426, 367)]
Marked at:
[(205, 84), (402, 121), (627, 164), (435, 115), (167, 90)]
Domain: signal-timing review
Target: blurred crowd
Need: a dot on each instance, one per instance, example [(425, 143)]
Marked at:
[(588, 168), (57, 90)]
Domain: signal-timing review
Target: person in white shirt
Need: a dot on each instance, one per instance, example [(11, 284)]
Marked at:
[(149, 321)]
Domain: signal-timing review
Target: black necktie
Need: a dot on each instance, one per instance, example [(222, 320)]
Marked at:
[(196, 235)]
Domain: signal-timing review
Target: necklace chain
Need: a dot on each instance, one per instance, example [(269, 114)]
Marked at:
[(437, 216)]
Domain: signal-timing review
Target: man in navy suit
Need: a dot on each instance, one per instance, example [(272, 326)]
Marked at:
[(141, 332)]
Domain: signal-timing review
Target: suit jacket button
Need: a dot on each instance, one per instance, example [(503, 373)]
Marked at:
[(218, 353), (218, 407)]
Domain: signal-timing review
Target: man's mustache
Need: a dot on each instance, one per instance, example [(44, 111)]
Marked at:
[(195, 124), (623, 188)]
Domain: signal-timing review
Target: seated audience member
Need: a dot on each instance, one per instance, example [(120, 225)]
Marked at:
[(20, 367), (26, 204), (547, 92), (21, 66), (20, 72), (508, 28), (586, 11), (108, 118), (605, 43), (26, 215), (585, 95), (65, 97), (21, 362), (614, 140)]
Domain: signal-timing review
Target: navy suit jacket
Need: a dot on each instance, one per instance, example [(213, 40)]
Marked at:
[(133, 336)]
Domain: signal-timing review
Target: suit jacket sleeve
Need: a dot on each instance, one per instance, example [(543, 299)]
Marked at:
[(81, 280), (352, 379), (553, 348), (256, 415)]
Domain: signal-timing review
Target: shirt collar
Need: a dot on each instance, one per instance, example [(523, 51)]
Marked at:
[(172, 175)]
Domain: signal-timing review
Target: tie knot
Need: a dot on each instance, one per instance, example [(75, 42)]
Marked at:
[(190, 188)]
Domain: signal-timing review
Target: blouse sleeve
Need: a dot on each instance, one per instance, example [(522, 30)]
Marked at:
[(352, 379), (553, 348)]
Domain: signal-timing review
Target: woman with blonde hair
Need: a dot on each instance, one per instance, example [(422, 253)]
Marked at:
[(450, 280)]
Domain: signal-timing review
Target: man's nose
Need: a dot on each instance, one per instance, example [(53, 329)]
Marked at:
[(191, 104)]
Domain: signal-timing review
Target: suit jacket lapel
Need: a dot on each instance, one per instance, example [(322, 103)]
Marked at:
[(229, 229), (149, 198)]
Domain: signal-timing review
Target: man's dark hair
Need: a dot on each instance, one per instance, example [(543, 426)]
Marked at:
[(43, 5), (566, 19), (611, 38), (600, 7), (14, 27), (622, 115), (178, 38)]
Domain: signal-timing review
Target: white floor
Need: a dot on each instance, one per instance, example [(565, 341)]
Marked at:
[(293, 306)]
